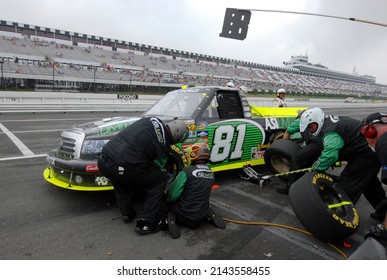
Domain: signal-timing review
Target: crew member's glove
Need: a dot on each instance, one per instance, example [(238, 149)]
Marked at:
[(378, 232), (315, 165)]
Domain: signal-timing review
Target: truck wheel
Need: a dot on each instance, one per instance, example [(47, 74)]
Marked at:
[(323, 208), (277, 156), (175, 163), (276, 136)]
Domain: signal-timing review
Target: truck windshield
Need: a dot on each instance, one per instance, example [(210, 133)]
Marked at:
[(179, 104)]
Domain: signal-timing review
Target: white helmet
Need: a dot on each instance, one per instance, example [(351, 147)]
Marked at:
[(179, 131), (230, 84), (281, 93), (314, 115)]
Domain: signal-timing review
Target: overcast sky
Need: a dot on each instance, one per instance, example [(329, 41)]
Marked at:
[(195, 25)]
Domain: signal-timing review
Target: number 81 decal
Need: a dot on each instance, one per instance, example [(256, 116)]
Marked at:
[(231, 138), (223, 140)]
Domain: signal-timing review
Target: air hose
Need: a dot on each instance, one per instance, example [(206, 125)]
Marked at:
[(283, 226)]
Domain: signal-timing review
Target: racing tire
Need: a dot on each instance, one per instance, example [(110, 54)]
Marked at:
[(277, 156), (324, 209), (175, 163), (276, 136)]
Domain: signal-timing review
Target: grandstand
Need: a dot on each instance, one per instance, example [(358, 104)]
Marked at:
[(41, 58)]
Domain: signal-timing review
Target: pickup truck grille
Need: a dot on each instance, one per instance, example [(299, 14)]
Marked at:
[(67, 148)]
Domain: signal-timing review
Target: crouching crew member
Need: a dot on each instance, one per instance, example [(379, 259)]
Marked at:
[(189, 194)]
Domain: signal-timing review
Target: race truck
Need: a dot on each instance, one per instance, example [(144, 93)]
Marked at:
[(237, 133)]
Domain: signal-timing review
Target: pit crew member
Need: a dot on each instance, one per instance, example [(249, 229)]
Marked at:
[(342, 141), (133, 161)]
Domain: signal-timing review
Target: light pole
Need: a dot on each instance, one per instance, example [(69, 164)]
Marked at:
[(95, 71), (2, 73), (53, 77), (130, 81)]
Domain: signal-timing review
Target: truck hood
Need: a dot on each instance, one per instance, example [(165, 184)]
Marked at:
[(108, 126)]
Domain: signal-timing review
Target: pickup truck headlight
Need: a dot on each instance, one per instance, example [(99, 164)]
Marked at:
[(93, 146)]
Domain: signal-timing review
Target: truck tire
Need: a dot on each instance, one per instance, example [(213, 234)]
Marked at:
[(324, 209), (276, 136), (277, 156), (175, 163)]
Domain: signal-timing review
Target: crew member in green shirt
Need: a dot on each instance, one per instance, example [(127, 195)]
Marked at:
[(305, 157)]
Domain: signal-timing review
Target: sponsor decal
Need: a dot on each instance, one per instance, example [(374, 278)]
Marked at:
[(191, 127), (189, 90), (78, 179), (349, 224), (114, 128), (191, 140), (285, 122), (263, 146), (203, 133), (321, 176), (203, 173), (231, 141), (102, 181), (180, 153), (127, 96), (275, 123), (158, 130), (192, 134), (271, 123), (256, 154), (51, 161), (92, 168), (202, 125)]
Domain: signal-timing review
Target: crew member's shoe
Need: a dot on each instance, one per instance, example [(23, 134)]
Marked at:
[(143, 227), (377, 215), (380, 210), (378, 232), (129, 217), (215, 219), (172, 226)]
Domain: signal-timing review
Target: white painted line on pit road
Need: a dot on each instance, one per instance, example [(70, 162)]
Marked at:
[(22, 157), (19, 144)]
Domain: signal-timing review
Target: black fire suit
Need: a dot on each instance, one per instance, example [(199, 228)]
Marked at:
[(342, 140), (133, 161), (190, 194)]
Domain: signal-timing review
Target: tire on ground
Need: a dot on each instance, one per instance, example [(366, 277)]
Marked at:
[(323, 208), (277, 156)]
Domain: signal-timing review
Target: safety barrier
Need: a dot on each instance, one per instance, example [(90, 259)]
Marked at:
[(18, 102), (24, 102)]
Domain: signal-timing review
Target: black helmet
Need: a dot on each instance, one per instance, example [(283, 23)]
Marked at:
[(178, 130)]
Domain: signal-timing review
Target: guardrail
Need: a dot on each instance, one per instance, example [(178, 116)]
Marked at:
[(22, 102), (30, 102)]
